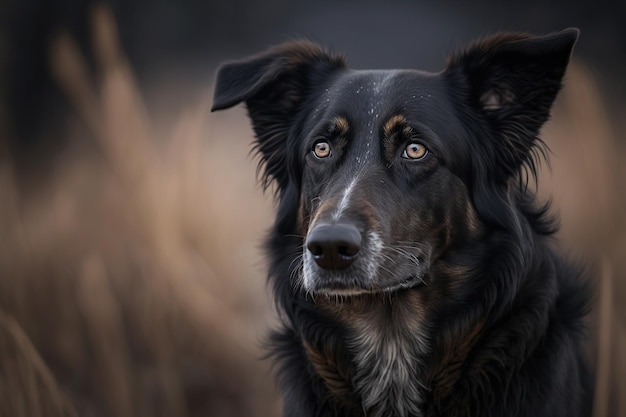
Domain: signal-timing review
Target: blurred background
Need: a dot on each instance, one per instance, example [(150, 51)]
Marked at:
[(131, 280)]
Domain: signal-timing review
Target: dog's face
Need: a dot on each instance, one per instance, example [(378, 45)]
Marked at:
[(390, 171), (379, 202)]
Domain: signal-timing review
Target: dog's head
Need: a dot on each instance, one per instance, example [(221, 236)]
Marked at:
[(388, 171)]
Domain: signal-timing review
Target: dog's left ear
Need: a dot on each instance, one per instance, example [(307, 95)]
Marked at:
[(512, 80), (274, 85)]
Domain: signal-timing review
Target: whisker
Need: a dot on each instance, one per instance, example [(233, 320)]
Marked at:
[(412, 245), (402, 250), (295, 276), (297, 236)]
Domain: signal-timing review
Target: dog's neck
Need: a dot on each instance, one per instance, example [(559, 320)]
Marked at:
[(386, 340)]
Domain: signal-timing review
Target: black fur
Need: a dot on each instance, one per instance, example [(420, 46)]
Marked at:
[(445, 295)]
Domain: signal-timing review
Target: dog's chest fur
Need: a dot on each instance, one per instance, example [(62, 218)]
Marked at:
[(387, 363), (387, 347)]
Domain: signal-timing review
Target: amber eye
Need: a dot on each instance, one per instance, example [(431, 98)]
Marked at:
[(321, 149), (415, 150)]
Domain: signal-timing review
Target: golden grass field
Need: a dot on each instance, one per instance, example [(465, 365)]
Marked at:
[(131, 277)]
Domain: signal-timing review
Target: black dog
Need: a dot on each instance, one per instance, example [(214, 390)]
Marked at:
[(414, 270)]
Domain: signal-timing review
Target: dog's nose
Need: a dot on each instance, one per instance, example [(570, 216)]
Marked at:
[(334, 246)]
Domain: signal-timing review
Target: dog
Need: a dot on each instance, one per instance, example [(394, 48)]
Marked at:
[(414, 270)]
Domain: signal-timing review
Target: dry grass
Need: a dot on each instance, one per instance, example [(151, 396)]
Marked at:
[(130, 279), (121, 268), (586, 185)]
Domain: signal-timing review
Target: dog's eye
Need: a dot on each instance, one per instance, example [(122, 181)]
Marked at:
[(415, 151), (321, 149)]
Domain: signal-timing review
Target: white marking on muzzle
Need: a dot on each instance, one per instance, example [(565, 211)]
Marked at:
[(307, 269), (345, 200), (374, 256)]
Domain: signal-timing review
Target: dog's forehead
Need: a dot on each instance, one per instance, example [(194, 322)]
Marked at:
[(370, 97), (383, 87), (369, 100)]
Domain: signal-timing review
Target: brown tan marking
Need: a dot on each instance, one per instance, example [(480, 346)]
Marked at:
[(324, 208), (339, 126), (455, 275), (304, 218), (472, 218), (445, 376), (337, 383), (395, 125)]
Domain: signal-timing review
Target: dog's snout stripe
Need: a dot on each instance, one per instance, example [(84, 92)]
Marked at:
[(345, 200)]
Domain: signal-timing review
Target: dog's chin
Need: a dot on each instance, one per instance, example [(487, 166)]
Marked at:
[(340, 292)]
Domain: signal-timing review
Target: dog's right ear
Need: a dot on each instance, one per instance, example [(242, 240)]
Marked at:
[(510, 80), (274, 84)]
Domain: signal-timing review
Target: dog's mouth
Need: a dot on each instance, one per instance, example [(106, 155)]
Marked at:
[(410, 282), (343, 290)]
